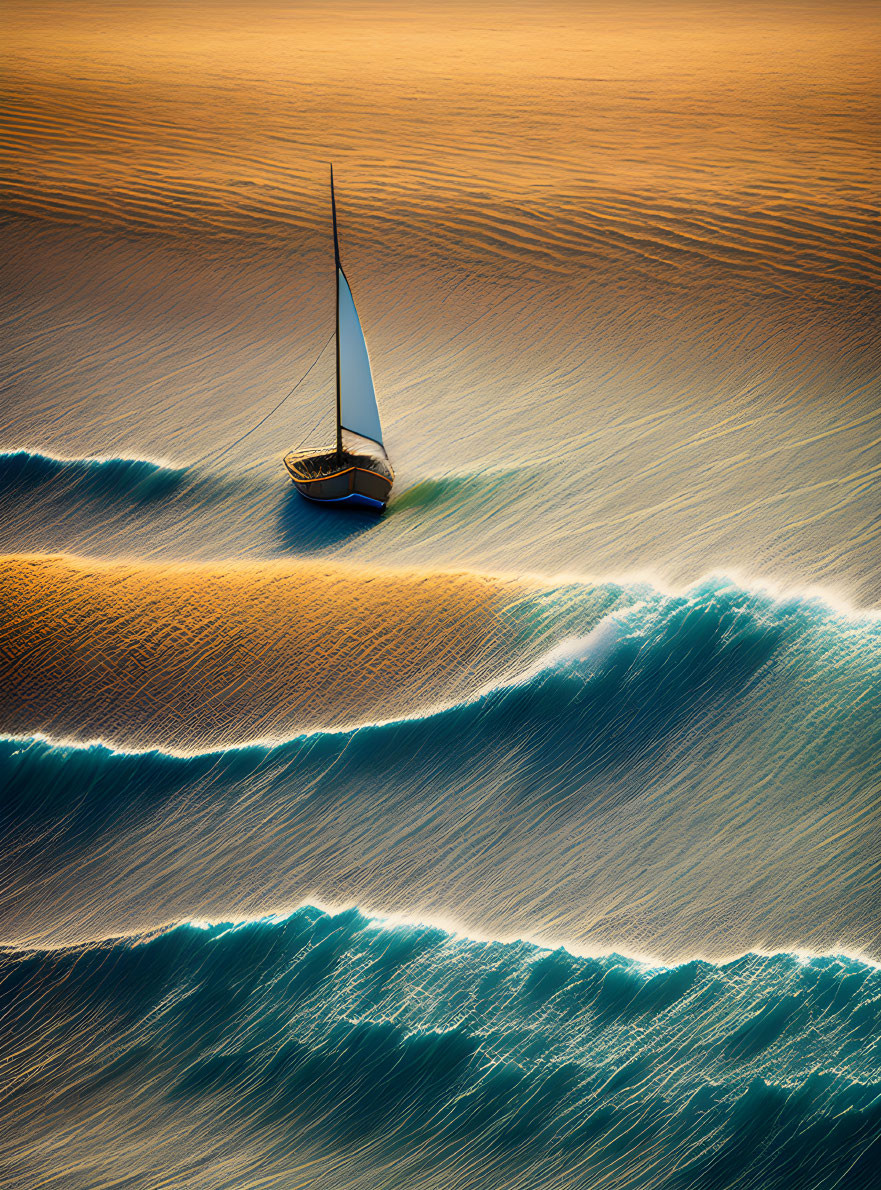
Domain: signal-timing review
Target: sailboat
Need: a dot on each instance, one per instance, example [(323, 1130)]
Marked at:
[(357, 470)]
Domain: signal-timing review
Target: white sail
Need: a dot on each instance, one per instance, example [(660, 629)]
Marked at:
[(358, 412)]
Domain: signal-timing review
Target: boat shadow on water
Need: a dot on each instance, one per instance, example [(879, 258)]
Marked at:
[(305, 526)]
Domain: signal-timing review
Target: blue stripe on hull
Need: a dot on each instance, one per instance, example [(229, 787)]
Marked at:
[(352, 498)]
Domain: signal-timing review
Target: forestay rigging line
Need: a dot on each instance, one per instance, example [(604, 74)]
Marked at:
[(211, 454)]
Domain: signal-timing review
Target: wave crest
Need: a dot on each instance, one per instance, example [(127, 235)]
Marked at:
[(143, 479), (406, 1042), (597, 784)]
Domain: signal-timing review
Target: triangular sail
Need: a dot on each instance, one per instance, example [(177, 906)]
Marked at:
[(358, 412)]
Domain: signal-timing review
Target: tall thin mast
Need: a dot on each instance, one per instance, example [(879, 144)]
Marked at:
[(336, 257)]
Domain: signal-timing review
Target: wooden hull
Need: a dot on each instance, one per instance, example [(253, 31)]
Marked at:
[(349, 478)]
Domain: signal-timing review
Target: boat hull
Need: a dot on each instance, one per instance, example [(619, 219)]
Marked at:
[(351, 478)]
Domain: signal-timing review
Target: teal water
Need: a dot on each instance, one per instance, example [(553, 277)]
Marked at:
[(684, 792), (696, 774), (328, 1046), (590, 904)]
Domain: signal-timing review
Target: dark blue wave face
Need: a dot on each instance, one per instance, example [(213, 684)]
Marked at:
[(699, 771), (616, 264), (327, 1048), (108, 506)]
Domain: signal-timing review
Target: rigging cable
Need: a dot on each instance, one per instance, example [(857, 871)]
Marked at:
[(213, 455), (216, 456)]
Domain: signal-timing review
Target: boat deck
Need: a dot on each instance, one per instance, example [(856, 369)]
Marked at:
[(314, 465), (348, 477)]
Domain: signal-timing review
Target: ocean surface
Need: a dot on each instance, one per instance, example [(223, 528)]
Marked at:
[(528, 835)]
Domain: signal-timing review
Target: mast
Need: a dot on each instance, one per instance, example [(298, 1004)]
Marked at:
[(336, 257), (355, 395)]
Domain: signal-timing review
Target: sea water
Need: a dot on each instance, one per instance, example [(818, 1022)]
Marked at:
[(526, 835)]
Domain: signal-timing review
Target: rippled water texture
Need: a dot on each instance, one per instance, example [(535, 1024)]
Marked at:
[(527, 835)]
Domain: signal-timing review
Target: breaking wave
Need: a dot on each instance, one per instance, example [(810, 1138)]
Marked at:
[(617, 267), (444, 1060), (586, 797), (107, 506), (130, 477)]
